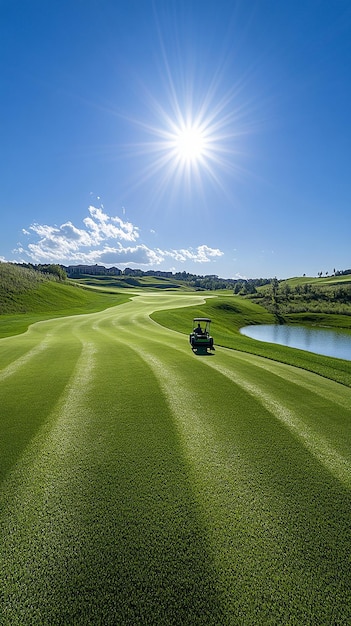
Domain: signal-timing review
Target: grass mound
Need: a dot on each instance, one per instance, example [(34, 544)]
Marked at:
[(27, 296), (144, 282), (15, 279)]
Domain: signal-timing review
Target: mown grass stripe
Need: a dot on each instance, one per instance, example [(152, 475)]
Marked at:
[(103, 527), (28, 397), (323, 387), (168, 493), (250, 525), (315, 443), (24, 360), (35, 524), (219, 475)]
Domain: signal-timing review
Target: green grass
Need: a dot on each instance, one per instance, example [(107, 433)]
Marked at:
[(26, 297), (326, 296), (51, 297), (230, 313), (127, 282), (321, 320), (313, 280), (32, 297), (141, 484)]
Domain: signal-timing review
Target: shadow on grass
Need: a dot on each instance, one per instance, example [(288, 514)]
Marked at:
[(135, 551), (202, 353), (28, 397)]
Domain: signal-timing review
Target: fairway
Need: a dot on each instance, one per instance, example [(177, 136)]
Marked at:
[(142, 484)]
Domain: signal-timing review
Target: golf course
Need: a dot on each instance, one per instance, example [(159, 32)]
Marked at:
[(144, 484)]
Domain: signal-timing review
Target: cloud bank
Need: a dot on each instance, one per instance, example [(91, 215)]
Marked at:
[(103, 240)]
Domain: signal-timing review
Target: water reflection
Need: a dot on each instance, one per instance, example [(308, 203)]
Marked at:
[(327, 342)]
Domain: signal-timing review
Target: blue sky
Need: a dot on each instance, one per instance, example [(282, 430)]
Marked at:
[(207, 136)]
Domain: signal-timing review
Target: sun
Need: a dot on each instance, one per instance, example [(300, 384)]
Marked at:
[(192, 124), (190, 144), (191, 141)]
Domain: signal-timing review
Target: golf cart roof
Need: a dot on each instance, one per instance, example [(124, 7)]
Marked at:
[(202, 319)]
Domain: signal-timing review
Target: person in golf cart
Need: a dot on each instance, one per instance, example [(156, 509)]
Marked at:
[(198, 330)]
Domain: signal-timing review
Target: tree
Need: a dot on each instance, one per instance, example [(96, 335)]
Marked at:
[(275, 287), (286, 290), (57, 270)]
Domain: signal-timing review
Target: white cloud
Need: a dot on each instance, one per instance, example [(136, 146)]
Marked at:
[(202, 254), (71, 233), (67, 243), (105, 240), (140, 254), (102, 227)]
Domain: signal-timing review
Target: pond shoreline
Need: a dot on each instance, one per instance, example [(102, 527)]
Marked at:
[(325, 341)]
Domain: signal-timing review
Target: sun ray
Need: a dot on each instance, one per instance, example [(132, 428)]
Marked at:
[(193, 133)]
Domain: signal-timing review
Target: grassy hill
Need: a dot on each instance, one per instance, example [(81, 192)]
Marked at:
[(315, 280), (126, 282), (307, 298), (27, 296)]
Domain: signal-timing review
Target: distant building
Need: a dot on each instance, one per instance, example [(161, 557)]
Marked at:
[(92, 270), (113, 271), (128, 271), (159, 273)]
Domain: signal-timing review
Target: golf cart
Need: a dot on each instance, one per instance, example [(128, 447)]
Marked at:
[(200, 339)]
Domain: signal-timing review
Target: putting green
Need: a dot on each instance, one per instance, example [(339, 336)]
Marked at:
[(142, 484)]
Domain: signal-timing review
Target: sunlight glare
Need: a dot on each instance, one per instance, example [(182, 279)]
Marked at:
[(189, 144), (193, 142)]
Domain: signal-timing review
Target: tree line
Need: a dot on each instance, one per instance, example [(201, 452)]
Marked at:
[(53, 269)]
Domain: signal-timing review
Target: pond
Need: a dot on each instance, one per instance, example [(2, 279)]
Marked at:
[(321, 341)]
